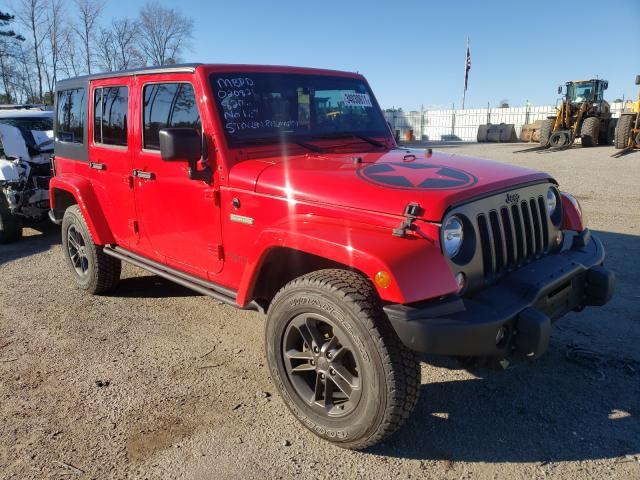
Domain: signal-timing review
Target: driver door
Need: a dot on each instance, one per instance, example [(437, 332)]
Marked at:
[(179, 218)]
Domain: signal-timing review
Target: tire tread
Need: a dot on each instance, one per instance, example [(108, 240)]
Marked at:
[(401, 365), (106, 271)]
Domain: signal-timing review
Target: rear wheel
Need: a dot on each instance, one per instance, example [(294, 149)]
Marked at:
[(545, 131), (92, 269), (589, 131), (623, 131), (10, 224), (607, 129), (336, 360)]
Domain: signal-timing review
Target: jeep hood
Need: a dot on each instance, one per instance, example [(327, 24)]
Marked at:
[(384, 182)]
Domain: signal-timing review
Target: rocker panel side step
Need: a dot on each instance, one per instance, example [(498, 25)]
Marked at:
[(199, 285)]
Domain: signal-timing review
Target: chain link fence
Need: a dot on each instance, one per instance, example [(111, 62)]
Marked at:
[(462, 125)]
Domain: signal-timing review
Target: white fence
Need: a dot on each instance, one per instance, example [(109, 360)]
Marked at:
[(437, 125)]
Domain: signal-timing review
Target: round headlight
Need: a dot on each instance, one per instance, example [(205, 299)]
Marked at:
[(552, 202), (452, 236)]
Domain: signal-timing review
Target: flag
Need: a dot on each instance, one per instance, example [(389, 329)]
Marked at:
[(467, 67)]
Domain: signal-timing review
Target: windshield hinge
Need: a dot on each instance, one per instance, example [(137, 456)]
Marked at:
[(411, 212)]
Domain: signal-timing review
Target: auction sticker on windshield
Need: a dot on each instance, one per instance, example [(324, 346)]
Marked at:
[(352, 99)]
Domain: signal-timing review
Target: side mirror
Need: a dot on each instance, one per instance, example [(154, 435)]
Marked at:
[(185, 144), (605, 85), (180, 144), (637, 79), (560, 90)]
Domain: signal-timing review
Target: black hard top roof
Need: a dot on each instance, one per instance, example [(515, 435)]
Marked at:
[(178, 68)]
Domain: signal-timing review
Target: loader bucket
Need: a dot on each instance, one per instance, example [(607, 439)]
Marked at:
[(531, 132), (503, 132), (482, 132)]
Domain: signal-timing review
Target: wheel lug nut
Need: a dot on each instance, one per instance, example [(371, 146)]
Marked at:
[(316, 349), (328, 354), (312, 362), (322, 376), (332, 371)]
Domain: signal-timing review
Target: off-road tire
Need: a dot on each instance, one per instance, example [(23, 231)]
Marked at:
[(390, 373), (589, 131), (607, 133), (103, 272), (545, 131), (623, 131), (10, 225)]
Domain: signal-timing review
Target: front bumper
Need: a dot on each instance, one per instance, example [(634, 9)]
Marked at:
[(513, 315)]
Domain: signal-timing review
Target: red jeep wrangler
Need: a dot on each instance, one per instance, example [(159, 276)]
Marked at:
[(282, 190)]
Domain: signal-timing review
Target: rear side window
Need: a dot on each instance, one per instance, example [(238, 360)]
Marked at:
[(168, 105), (70, 116), (110, 106)]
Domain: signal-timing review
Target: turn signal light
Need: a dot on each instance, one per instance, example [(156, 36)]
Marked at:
[(383, 279)]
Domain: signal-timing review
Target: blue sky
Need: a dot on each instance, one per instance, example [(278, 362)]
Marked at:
[(413, 52)]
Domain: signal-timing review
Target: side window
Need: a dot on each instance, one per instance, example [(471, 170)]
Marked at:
[(70, 117), (168, 105), (110, 106)]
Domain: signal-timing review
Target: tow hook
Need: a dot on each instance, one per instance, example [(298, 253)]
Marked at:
[(411, 212)]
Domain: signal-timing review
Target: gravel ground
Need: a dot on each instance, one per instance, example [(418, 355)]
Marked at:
[(155, 381)]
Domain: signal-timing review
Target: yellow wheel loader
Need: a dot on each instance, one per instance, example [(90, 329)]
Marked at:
[(627, 135), (583, 113)]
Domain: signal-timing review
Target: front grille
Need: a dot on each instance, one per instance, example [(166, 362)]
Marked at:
[(513, 236)]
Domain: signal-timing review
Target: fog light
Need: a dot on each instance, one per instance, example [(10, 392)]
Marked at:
[(461, 281), (383, 279), (559, 238)]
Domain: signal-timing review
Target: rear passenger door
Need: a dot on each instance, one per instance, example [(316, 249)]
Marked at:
[(178, 217), (110, 157)]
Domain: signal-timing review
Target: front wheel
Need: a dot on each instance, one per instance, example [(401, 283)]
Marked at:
[(546, 129), (10, 224), (589, 131), (336, 360)]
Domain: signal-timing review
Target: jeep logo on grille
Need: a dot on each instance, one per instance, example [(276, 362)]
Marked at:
[(512, 198)]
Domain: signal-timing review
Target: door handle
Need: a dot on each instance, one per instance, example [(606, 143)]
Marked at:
[(97, 166), (143, 174)]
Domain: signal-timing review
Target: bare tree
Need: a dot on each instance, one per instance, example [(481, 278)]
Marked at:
[(55, 40), (32, 15), (69, 58), (117, 45), (88, 12), (9, 40), (165, 33)]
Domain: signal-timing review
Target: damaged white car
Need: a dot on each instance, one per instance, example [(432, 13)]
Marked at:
[(26, 147)]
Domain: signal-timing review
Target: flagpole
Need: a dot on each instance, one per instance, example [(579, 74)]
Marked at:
[(466, 73)]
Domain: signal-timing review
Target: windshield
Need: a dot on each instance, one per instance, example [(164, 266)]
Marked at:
[(264, 107), (580, 92), (28, 125)]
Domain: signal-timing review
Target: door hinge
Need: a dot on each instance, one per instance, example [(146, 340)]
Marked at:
[(217, 250), (133, 225), (213, 195)]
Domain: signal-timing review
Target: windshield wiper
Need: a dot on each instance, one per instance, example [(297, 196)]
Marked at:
[(364, 138)]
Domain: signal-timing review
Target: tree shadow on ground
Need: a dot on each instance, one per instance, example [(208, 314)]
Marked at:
[(37, 239), (549, 411)]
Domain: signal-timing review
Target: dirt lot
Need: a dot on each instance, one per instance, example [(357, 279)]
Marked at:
[(154, 381)]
